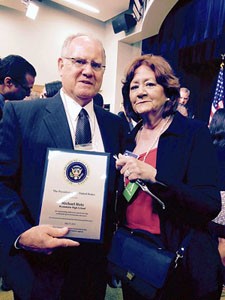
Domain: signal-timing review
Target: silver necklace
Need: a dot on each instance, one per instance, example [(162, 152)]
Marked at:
[(157, 137)]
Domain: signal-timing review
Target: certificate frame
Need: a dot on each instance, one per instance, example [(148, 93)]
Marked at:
[(74, 192)]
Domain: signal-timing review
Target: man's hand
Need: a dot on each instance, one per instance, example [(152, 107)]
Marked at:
[(44, 239)]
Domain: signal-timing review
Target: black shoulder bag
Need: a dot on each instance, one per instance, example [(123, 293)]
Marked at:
[(139, 259)]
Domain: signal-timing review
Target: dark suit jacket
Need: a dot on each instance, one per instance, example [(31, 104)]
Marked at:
[(27, 130), (129, 126)]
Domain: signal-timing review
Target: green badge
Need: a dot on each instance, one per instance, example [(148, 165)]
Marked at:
[(130, 190)]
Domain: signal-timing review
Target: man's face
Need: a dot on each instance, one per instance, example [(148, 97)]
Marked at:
[(82, 76), (184, 97), (20, 90)]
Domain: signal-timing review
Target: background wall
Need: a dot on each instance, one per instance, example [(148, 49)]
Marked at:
[(40, 42)]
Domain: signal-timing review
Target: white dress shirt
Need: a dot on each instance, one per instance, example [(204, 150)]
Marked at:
[(72, 109)]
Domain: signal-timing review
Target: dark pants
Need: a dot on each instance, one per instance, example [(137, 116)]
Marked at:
[(179, 287), (71, 273), (129, 294), (86, 278)]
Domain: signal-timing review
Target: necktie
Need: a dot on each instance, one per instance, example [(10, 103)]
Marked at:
[(83, 130)]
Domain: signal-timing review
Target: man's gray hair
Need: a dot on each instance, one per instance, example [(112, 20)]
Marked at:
[(186, 90), (72, 37)]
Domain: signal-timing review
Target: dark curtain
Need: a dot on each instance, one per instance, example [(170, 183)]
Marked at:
[(192, 39)]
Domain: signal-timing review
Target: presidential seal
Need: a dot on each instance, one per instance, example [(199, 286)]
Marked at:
[(76, 172)]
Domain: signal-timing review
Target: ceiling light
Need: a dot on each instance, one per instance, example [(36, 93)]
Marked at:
[(83, 5), (32, 10)]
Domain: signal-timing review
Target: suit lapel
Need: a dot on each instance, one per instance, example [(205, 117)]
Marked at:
[(57, 124), (104, 127)]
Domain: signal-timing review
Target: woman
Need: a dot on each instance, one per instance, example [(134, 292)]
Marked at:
[(176, 160), (217, 130)]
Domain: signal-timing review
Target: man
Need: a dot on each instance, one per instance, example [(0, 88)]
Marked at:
[(128, 122), (39, 262), (17, 77), (183, 106)]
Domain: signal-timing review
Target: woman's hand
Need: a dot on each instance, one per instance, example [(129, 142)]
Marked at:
[(134, 169)]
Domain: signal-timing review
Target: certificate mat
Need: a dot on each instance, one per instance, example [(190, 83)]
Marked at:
[(74, 192)]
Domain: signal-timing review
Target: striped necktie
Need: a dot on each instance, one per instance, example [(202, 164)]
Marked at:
[(83, 130)]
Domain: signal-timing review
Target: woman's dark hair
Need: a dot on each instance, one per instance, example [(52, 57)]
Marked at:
[(164, 76), (52, 88), (217, 127)]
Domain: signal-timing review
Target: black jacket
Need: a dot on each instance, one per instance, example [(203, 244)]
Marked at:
[(186, 164), (27, 129)]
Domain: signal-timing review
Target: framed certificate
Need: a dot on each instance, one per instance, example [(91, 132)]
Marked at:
[(74, 192)]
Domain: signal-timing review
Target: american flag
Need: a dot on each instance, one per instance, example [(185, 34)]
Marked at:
[(218, 100)]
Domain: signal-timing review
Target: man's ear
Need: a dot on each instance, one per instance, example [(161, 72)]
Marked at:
[(60, 66), (8, 81)]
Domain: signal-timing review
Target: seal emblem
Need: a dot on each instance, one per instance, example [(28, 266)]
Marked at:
[(76, 172)]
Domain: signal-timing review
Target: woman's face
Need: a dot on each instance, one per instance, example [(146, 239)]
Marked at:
[(146, 95)]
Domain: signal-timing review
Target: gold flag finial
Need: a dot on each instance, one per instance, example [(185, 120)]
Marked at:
[(222, 63)]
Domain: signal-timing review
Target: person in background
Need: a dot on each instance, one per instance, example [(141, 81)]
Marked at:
[(38, 262), (183, 105), (129, 123), (177, 161), (17, 78), (217, 130), (98, 100), (51, 88)]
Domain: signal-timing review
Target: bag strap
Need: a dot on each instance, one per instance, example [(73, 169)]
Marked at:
[(180, 252), (151, 237), (146, 235)]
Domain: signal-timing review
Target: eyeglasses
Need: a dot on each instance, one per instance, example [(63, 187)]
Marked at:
[(80, 63), (26, 88)]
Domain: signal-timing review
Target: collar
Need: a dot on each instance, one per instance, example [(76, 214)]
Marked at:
[(74, 108), (178, 125), (177, 128)]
